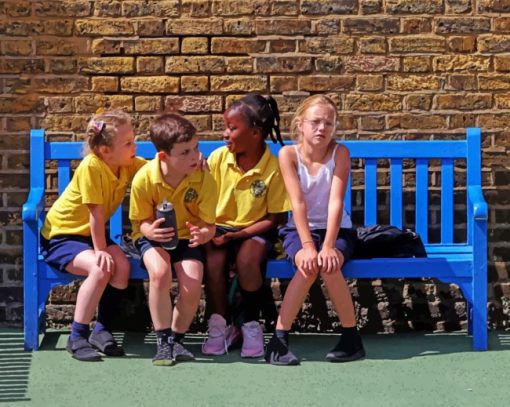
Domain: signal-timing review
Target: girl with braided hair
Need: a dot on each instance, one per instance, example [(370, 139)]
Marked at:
[(251, 197)]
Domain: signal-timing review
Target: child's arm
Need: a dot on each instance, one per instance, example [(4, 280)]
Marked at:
[(328, 257), (288, 167), (97, 232), (268, 222), (200, 234)]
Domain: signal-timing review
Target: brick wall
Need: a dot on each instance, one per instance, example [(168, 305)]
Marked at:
[(398, 69)]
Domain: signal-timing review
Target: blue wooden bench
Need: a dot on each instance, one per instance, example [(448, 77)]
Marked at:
[(464, 264)]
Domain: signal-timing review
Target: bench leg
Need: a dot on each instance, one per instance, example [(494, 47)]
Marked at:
[(31, 314), (469, 314)]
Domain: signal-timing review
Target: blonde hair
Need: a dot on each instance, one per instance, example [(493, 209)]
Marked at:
[(102, 129), (308, 103)]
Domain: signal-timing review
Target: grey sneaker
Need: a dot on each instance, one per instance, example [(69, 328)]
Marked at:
[(181, 354), (164, 353), (277, 353)]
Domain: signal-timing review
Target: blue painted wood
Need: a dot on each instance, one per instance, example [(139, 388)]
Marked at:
[(422, 198), (396, 212), (447, 201), (64, 174), (464, 264), (370, 192), (348, 196)]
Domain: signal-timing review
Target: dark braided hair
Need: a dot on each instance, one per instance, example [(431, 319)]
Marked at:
[(261, 113)]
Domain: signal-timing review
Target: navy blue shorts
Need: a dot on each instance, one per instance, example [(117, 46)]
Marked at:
[(180, 253), (268, 239), (61, 250), (292, 243)]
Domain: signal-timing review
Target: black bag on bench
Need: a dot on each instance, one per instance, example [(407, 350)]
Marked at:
[(387, 241)]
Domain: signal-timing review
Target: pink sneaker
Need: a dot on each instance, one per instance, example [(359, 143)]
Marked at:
[(253, 340), (220, 336)]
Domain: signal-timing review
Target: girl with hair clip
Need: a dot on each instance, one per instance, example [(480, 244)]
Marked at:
[(319, 237), (74, 240), (251, 198)]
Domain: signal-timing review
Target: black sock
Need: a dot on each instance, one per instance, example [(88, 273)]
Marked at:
[(350, 339), (349, 333), (283, 336), (251, 301), (179, 337), (107, 308), (163, 334)]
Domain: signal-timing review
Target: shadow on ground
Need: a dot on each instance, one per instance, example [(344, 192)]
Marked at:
[(14, 367)]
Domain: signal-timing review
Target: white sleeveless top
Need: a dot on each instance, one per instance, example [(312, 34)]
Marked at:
[(316, 190)]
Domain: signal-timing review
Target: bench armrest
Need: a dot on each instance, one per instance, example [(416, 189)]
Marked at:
[(34, 206), (477, 203)]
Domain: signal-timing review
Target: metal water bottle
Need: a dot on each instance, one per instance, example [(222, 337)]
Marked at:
[(166, 210)]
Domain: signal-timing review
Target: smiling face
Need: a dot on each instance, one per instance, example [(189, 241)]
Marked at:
[(238, 135), (183, 157), (317, 125)]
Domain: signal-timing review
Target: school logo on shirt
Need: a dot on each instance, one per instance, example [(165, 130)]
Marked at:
[(258, 188), (191, 195)]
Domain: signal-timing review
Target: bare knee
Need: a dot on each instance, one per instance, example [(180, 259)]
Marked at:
[(120, 279), (100, 276), (160, 279)]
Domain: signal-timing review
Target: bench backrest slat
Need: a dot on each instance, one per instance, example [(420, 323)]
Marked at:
[(348, 196), (422, 205), (368, 151), (396, 192), (64, 174), (370, 203), (447, 201)]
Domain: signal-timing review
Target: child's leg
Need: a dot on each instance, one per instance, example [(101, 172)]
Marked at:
[(157, 262), (108, 306), (112, 295), (250, 256), (249, 260), (295, 295), (189, 275), (215, 284), (84, 264), (340, 296)]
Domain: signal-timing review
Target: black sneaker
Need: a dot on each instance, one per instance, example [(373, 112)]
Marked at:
[(347, 350), (164, 353), (181, 354), (278, 354)]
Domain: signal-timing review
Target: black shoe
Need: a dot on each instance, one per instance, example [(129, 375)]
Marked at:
[(277, 353), (347, 350), (164, 353)]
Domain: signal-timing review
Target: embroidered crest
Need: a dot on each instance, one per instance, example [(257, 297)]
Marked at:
[(258, 188), (191, 195)]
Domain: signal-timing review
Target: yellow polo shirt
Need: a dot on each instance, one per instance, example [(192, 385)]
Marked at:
[(194, 199), (245, 198), (93, 183)]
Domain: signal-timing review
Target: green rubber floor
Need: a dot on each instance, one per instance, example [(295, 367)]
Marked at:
[(400, 370)]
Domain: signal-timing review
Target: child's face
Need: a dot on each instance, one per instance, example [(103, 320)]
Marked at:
[(238, 135), (318, 124), (183, 158), (123, 149)]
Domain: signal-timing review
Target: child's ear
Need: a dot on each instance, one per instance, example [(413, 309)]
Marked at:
[(161, 155), (104, 150)]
